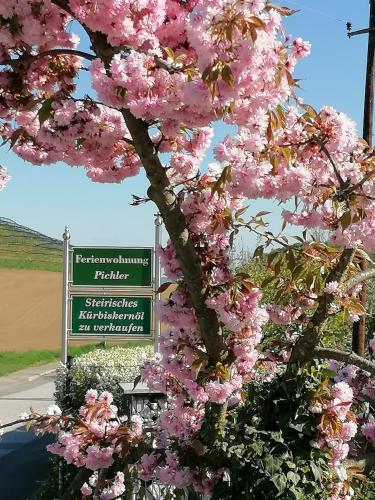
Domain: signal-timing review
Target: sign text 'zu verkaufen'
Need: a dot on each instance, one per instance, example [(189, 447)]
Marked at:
[(109, 315)]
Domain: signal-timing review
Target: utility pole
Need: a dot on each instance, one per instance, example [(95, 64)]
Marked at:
[(359, 327)]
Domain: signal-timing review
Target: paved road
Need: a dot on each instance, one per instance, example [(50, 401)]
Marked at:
[(23, 459)]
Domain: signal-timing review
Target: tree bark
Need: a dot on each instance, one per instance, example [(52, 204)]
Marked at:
[(360, 278), (349, 358), (73, 492), (161, 193), (365, 463)]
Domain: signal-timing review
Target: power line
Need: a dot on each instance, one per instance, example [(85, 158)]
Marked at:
[(319, 12)]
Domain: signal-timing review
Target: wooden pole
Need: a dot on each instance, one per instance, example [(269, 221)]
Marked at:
[(359, 327)]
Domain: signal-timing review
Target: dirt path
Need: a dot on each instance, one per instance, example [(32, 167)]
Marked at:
[(30, 310)]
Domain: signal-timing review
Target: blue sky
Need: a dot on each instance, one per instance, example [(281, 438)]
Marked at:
[(47, 198)]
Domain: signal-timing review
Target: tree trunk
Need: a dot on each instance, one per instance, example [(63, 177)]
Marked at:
[(161, 193)]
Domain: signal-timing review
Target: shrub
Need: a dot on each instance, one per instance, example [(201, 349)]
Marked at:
[(103, 369)]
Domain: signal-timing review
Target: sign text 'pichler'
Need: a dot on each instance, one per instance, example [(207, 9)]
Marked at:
[(111, 267)]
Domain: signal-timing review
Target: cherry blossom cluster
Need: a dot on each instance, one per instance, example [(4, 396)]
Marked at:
[(316, 157), (337, 426), (29, 24), (112, 489), (95, 446), (169, 471), (78, 133), (182, 367), (363, 387), (174, 64), (197, 38), (94, 440)]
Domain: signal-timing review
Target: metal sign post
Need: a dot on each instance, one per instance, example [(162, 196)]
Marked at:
[(110, 292), (65, 295), (158, 224)]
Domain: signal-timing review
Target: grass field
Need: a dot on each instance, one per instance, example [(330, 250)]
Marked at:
[(12, 361), (21, 248)]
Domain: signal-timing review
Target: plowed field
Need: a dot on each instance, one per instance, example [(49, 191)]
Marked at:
[(30, 310)]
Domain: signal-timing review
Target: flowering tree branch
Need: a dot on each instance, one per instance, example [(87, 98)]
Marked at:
[(214, 318), (30, 58), (335, 169), (349, 358), (270, 238), (161, 193), (15, 422), (305, 345)]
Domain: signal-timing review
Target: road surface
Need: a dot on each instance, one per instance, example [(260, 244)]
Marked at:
[(24, 461)]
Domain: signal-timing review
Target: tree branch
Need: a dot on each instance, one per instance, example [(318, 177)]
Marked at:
[(73, 491), (328, 155), (365, 463), (18, 421), (349, 358), (364, 276), (64, 5), (29, 59), (305, 345), (272, 238), (100, 482)]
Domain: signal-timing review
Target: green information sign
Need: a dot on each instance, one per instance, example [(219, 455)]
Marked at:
[(115, 316), (112, 267)]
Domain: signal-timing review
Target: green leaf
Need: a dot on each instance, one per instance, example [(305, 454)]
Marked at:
[(241, 211), (224, 177), (231, 239), (272, 464), (346, 219), (317, 473), (45, 111), (169, 52), (293, 477), (277, 437), (267, 281), (280, 482), (14, 137), (259, 251), (297, 427), (141, 492), (283, 11), (310, 111), (258, 23), (227, 75), (257, 446)]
